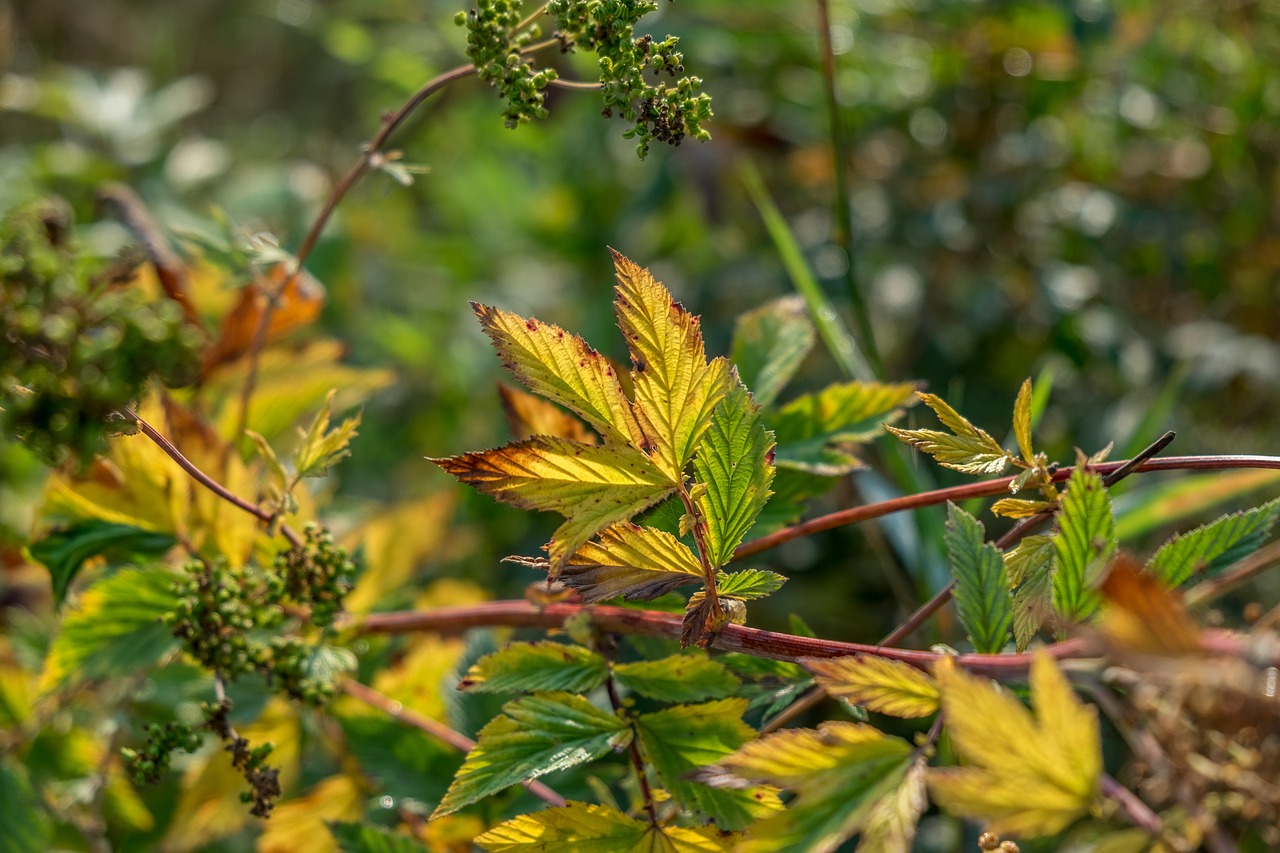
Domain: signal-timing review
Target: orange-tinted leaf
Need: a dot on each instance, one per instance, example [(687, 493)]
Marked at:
[(528, 416), (1143, 616), (298, 304)]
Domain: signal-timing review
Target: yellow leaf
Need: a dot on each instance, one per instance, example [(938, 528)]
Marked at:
[(592, 487), (966, 449), (563, 368), (588, 828), (1028, 776), (302, 823), (395, 542), (881, 685), (891, 826), (528, 415), (1019, 508), (1022, 422), (675, 388)]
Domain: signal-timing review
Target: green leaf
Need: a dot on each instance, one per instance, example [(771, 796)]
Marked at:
[(26, 824), (749, 583), (115, 630), (769, 344), (1085, 541), (1148, 506), (735, 463), (322, 448), (687, 677), (891, 825), (637, 563), (1030, 568), (1213, 546), (64, 551), (839, 773), (363, 838), (966, 449), (982, 590), (676, 390), (820, 433), (679, 740), (588, 828), (592, 487), (536, 735), (524, 667)]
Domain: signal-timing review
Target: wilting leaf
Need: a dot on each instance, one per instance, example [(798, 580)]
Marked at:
[(703, 619), (592, 487), (749, 583), (675, 388), (982, 592), (879, 684), (537, 734), (563, 368), (528, 416), (769, 344), (596, 829), (839, 773), (687, 677), (1215, 545), (1022, 423), (322, 448), (735, 464), (1085, 541), (678, 740), (1039, 774), (522, 667), (363, 838), (64, 551), (637, 563), (1143, 616), (820, 433), (966, 449)]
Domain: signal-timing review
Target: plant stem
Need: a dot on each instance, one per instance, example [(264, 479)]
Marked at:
[(1242, 571), (699, 538), (1134, 809), (637, 760), (437, 730)]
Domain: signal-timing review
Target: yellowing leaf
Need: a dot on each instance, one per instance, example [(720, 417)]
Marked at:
[(881, 685), (675, 388), (966, 449), (395, 543), (1022, 422), (587, 828), (637, 563), (592, 487), (528, 415), (321, 447), (303, 823), (1019, 508), (821, 432), (891, 826), (1028, 776), (564, 368)]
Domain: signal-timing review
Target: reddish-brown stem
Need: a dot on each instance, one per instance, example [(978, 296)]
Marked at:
[(637, 760), (435, 729), (1245, 569), (1134, 809)]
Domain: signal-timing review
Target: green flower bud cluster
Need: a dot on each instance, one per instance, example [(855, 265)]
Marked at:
[(499, 42), (317, 575), (77, 342), (146, 765)]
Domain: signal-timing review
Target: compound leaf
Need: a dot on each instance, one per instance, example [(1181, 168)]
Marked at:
[(564, 368), (592, 487), (524, 667), (769, 343), (64, 551), (679, 740), (687, 677), (588, 828), (735, 462), (982, 591), (819, 433), (1040, 773), (676, 390), (537, 734), (1214, 545), (1083, 545), (879, 684), (966, 448), (321, 448)]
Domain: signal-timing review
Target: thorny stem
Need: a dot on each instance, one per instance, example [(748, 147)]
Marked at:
[(437, 730)]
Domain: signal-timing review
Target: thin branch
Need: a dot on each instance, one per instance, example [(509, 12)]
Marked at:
[(437, 730), (637, 760), (1255, 563), (1134, 809)]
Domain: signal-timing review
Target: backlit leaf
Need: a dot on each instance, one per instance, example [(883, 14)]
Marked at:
[(769, 344), (363, 838), (1039, 774), (321, 448), (523, 667), (820, 432), (1032, 566), (115, 629), (678, 740), (592, 487), (1143, 615), (1214, 545), (891, 826), (839, 772), (749, 583), (1022, 423), (588, 828), (1019, 508), (302, 823), (735, 463), (982, 591), (537, 734), (64, 551), (676, 390), (966, 449), (637, 563), (563, 368), (528, 415), (1032, 553), (1083, 545), (687, 677), (879, 684)]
